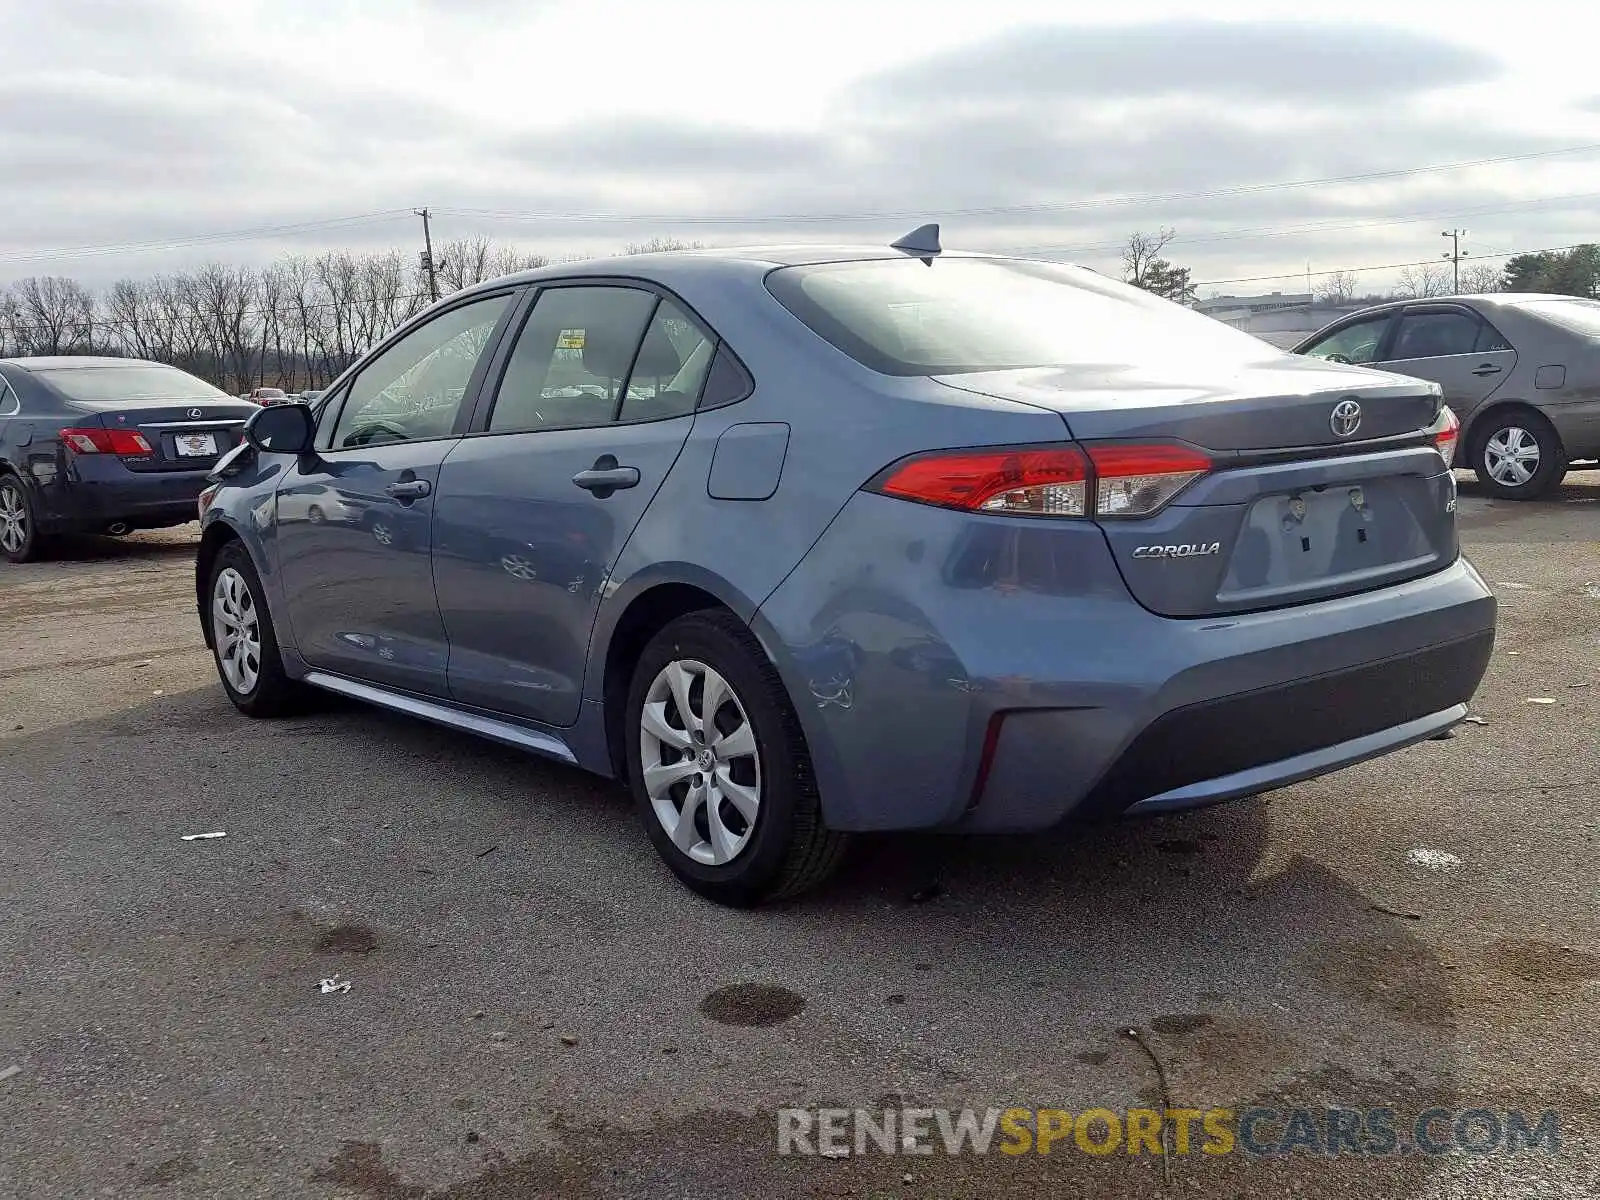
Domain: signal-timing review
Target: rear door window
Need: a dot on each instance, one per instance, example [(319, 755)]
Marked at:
[(1435, 335), (573, 359)]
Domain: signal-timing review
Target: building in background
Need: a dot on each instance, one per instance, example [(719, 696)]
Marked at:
[(1282, 318)]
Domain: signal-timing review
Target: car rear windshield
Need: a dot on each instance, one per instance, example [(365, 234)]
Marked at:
[(133, 383), (905, 317), (1579, 316)]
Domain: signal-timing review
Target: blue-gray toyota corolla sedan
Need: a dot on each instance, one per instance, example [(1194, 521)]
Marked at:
[(802, 542)]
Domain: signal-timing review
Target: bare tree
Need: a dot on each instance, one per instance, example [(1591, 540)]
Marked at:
[(226, 298), (1421, 283), (1144, 266), (9, 316), (130, 319), (1143, 249), (1481, 278), (51, 315), (463, 262), (1337, 287)]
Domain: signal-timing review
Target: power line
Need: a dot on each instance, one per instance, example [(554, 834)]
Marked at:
[(1426, 262), (1325, 226), (1016, 209)]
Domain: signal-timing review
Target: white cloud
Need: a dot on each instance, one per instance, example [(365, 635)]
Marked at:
[(142, 120)]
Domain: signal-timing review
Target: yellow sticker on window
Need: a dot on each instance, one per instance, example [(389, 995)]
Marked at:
[(570, 339)]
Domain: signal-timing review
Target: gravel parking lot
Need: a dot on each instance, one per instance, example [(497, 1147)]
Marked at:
[(537, 1009)]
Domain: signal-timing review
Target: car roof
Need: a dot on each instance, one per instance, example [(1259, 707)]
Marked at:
[(59, 362), (664, 266), (1481, 299)]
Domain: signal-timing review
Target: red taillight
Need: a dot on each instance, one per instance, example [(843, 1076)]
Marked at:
[(129, 443), (1445, 432), (1048, 481)]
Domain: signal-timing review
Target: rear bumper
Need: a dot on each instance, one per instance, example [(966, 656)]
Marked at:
[(990, 674), (1240, 744), (97, 492)]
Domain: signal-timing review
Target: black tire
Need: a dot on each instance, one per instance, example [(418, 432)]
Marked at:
[(1552, 464), (273, 693), (15, 492), (789, 849)]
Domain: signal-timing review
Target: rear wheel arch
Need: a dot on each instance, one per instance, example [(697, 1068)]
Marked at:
[(645, 615)]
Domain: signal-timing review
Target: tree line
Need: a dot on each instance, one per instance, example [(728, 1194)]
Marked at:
[(1574, 272), (298, 322), (294, 324)]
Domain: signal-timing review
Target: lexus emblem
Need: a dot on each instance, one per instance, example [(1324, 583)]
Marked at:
[(196, 413), (1345, 419)]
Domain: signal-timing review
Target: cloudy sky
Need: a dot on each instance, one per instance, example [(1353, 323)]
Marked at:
[(139, 136)]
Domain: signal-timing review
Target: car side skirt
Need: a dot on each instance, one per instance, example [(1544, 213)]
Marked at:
[(497, 730)]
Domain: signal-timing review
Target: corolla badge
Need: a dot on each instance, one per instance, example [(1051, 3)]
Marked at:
[(1345, 418), (1187, 550)]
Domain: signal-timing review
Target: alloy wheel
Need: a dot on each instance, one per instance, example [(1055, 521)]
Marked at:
[(13, 519), (702, 767), (236, 628), (1511, 456)]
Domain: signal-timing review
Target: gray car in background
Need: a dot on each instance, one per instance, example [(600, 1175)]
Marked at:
[(1522, 371), (806, 542)]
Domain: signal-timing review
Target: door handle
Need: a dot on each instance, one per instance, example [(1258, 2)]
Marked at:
[(606, 477), (409, 489), (1486, 369)]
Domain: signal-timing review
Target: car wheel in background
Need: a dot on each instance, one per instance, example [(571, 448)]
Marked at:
[(719, 769), (1518, 455), (20, 540), (242, 638)]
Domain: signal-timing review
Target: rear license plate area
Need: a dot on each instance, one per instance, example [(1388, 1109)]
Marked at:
[(1314, 537), (195, 445)]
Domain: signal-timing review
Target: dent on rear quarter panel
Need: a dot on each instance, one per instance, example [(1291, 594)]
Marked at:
[(909, 625)]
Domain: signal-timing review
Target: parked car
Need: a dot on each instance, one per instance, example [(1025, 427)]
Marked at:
[(104, 445), (1522, 371), (805, 542)]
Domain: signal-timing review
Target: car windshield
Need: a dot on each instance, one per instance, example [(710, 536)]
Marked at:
[(132, 383), (1579, 316), (903, 317)]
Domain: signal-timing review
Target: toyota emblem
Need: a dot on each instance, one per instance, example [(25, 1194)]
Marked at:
[(196, 413), (1345, 419)]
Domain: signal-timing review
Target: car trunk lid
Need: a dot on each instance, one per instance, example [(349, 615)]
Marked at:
[(1280, 404), (187, 435), (1323, 482)]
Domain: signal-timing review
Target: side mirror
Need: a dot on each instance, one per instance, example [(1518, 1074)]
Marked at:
[(282, 429)]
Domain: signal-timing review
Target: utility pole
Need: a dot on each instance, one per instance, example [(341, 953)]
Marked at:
[(427, 255), (1455, 254)]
